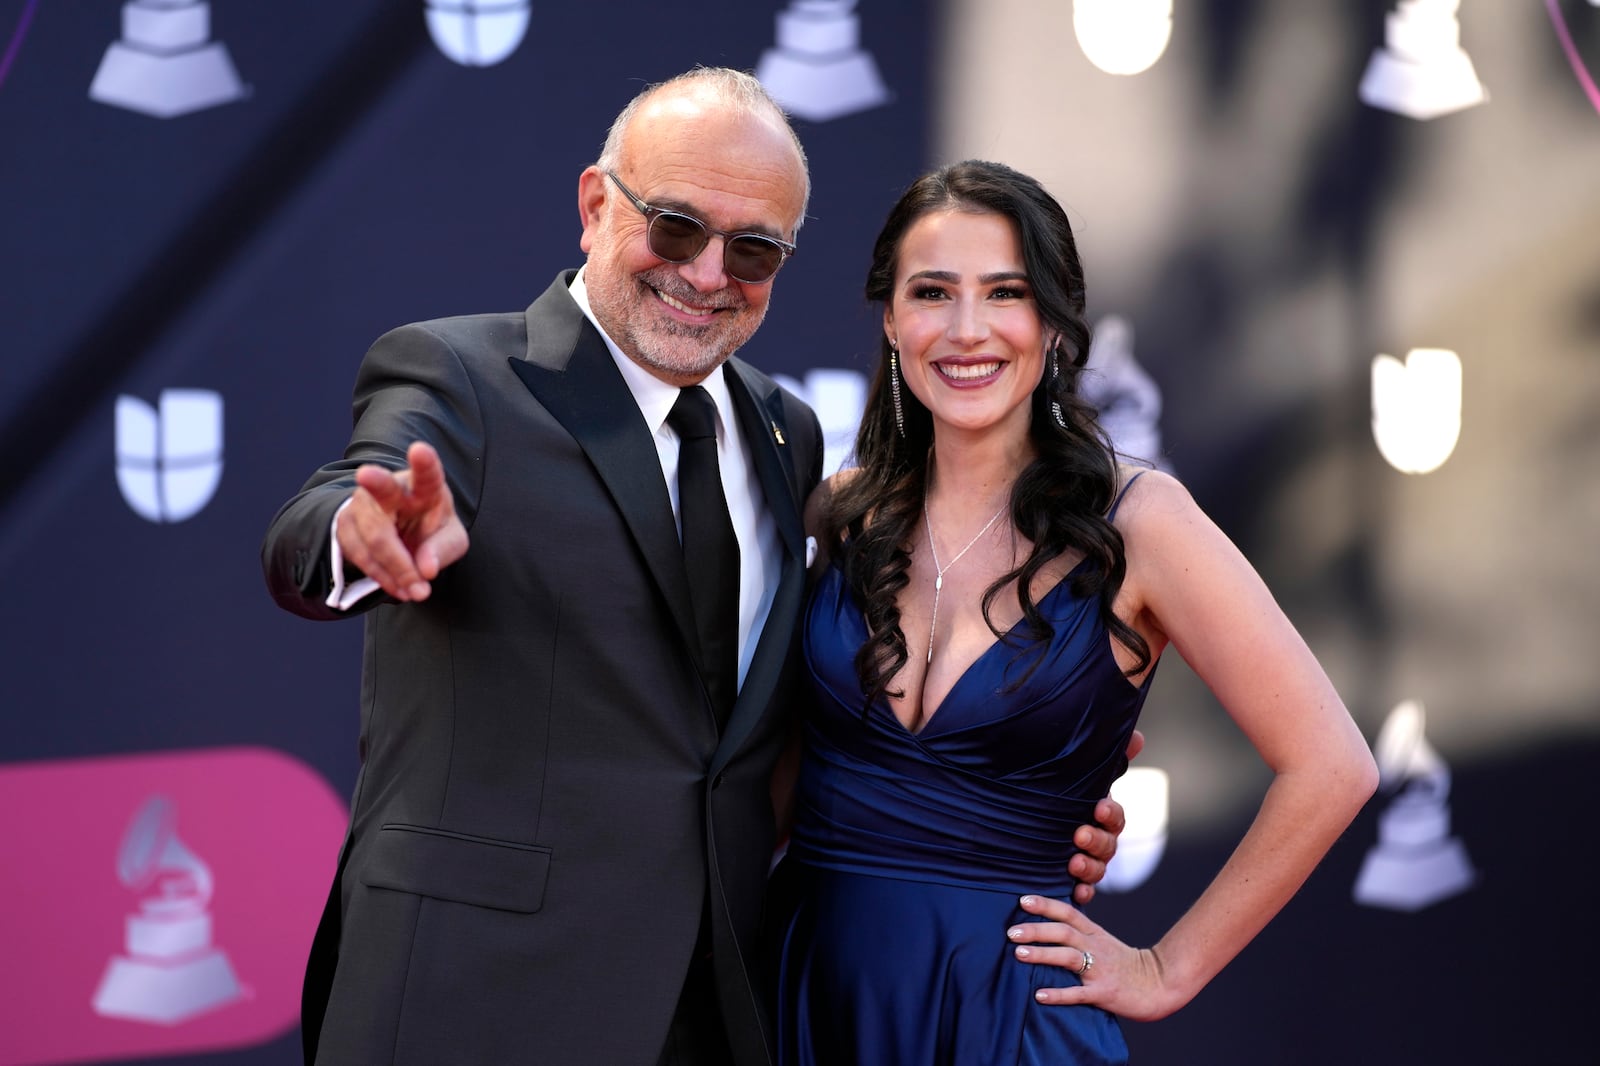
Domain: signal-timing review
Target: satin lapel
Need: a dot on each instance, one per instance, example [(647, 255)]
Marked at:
[(587, 395), (760, 411)]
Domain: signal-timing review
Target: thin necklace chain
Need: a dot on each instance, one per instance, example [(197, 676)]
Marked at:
[(940, 571)]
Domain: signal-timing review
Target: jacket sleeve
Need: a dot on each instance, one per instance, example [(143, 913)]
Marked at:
[(413, 385)]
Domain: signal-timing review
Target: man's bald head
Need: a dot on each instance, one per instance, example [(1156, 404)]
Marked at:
[(723, 86)]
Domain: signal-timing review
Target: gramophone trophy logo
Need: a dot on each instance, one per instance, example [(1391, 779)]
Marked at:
[(818, 69), (1416, 862), (1421, 71), (170, 970), (165, 64), (1127, 397)]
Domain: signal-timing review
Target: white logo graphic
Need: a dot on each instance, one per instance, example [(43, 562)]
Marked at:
[(171, 971), (839, 397), (1122, 36), (1143, 793), (1416, 861), (168, 465), (1416, 408), (166, 64), (478, 33), (1421, 71), (1128, 399), (818, 71)]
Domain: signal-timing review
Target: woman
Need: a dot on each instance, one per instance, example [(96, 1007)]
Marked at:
[(995, 595)]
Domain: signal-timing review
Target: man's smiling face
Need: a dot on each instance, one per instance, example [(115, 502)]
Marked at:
[(736, 171)]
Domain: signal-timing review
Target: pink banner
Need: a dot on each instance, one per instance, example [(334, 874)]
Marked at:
[(158, 903)]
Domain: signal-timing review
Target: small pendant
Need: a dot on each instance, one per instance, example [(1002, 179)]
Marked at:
[(938, 583)]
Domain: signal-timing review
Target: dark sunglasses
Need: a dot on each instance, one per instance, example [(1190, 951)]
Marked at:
[(677, 238)]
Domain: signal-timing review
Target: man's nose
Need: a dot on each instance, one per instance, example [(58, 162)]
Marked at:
[(705, 271)]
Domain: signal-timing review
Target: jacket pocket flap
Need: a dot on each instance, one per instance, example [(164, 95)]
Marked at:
[(454, 866)]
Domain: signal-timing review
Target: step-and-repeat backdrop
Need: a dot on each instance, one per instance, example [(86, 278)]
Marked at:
[(1344, 268)]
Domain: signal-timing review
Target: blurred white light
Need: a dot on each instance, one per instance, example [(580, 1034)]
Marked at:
[(1422, 71), (1122, 36), (1416, 408), (1143, 792)]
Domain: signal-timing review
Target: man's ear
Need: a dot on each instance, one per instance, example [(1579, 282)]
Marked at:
[(591, 204)]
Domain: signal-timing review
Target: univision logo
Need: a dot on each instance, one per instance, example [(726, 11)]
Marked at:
[(169, 461), (477, 33)]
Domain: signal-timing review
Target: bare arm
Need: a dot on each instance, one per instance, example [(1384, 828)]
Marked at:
[(1190, 585)]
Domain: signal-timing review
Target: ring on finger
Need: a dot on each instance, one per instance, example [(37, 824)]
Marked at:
[(1088, 961)]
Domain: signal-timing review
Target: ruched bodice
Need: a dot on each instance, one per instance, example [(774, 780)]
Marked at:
[(909, 850)]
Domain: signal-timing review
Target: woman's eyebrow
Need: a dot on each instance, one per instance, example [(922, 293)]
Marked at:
[(950, 277)]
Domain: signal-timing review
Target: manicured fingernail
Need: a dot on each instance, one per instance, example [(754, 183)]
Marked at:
[(1023, 953), (1027, 901), (1039, 995), (1015, 932)]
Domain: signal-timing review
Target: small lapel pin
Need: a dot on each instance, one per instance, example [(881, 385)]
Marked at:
[(777, 434)]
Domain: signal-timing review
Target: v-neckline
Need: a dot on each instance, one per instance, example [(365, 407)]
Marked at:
[(927, 719)]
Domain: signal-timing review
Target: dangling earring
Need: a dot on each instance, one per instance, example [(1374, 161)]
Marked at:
[(894, 389), (1055, 372)]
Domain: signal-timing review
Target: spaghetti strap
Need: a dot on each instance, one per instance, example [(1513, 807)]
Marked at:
[(1112, 514)]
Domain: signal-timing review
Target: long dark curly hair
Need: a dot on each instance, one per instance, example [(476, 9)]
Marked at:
[(1058, 502)]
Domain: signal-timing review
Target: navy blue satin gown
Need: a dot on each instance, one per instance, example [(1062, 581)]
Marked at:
[(910, 851)]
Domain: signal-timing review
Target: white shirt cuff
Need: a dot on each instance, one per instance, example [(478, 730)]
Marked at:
[(343, 597)]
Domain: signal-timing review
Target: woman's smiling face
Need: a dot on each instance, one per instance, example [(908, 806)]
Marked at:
[(964, 319)]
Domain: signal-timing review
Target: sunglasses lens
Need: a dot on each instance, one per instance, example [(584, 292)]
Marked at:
[(752, 259), (749, 257), (677, 238)]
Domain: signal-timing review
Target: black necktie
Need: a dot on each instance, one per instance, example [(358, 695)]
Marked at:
[(710, 549)]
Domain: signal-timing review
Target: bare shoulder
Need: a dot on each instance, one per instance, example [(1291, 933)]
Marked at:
[(1148, 498), (1163, 527)]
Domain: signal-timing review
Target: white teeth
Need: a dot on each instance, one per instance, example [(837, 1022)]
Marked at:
[(685, 308), (967, 373)]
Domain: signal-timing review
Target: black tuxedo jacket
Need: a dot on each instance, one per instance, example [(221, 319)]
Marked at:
[(545, 803)]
